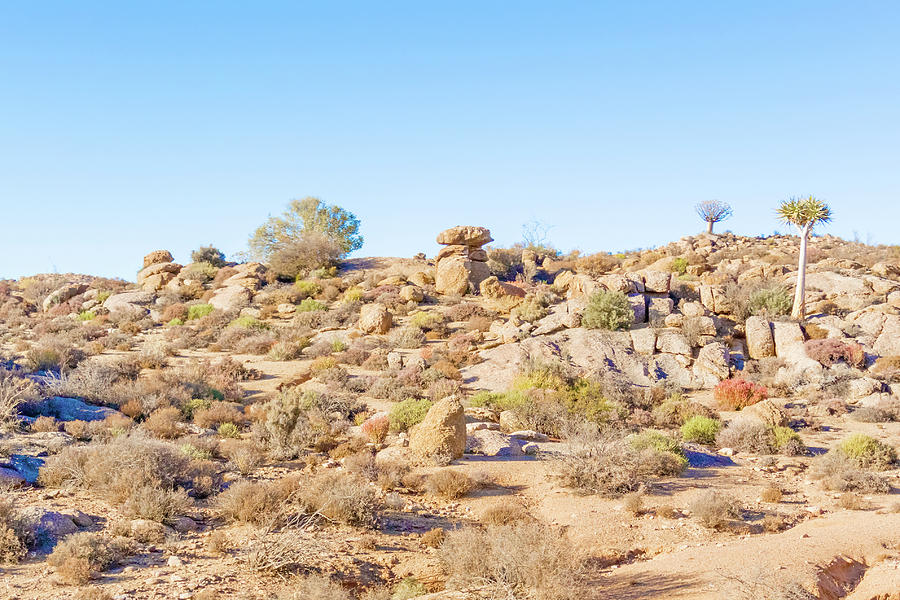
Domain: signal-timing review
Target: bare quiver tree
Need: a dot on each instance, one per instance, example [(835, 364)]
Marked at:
[(804, 214), (713, 211)]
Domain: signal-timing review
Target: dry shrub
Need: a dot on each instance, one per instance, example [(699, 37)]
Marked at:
[(53, 354), (633, 502), (850, 501), (887, 367), (773, 523), (341, 497), (504, 514), (258, 503), (219, 413), (15, 533), (244, 457), (156, 504), (92, 593), (45, 424), (830, 351), (14, 391), (735, 394), (81, 556), (771, 494), (840, 473), (522, 560), (449, 484), (666, 511), (163, 423), (316, 587), (376, 429), (714, 509), (218, 543), (433, 538)]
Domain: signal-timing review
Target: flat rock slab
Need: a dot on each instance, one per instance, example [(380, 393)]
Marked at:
[(71, 409)]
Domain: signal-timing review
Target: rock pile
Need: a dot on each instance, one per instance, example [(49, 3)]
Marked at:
[(462, 263), (159, 269)]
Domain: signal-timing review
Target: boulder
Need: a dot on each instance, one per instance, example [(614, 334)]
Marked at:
[(488, 442), (510, 421), (657, 282), (563, 279), (639, 306), (789, 339), (47, 526), (60, 295), (129, 301), (673, 342), (582, 286), (886, 270), (712, 364), (766, 412), (442, 432), (231, 297), (421, 279), (501, 296), (693, 309), (157, 269), (457, 275), (888, 342), (465, 235), (157, 256), (412, 293), (566, 315), (644, 340), (374, 318), (760, 341), (658, 308), (70, 409)]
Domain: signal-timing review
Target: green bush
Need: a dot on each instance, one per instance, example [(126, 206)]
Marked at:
[(209, 254), (408, 588), (86, 315), (310, 305), (680, 265), (248, 322), (787, 441), (652, 442), (499, 400), (175, 323), (229, 430), (307, 288), (608, 310), (772, 301), (426, 320), (404, 415), (867, 452), (533, 308), (702, 430), (197, 311)]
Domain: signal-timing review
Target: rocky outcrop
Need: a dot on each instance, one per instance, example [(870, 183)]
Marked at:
[(231, 298), (374, 318), (500, 296), (157, 256), (760, 342), (129, 301), (442, 433), (63, 294), (461, 265)]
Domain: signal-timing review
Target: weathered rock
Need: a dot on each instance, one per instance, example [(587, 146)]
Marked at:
[(492, 443), (789, 340), (62, 294), (231, 297), (673, 320), (156, 269), (659, 307), (129, 301), (644, 340), (421, 279), (887, 270), (864, 386), (70, 409), (767, 412), (693, 309), (563, 279), (760, 342), (465, 235), (566, 315), (582, 286), (639, 306), (442, 432), (412, 293), (657, 282), (393, 280), (457, 275), (888, 342), (374, 318), (157, 256), (510, 421), (712, 364), (673, 342), (48, 526), (501, 296)]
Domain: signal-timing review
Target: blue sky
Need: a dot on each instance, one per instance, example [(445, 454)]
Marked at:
[(127, 127)]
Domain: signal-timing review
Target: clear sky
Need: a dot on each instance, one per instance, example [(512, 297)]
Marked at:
[(131, 126)]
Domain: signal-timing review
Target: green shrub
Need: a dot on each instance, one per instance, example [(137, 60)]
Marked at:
[(103, 296), (499, 400), (426, 320), (324, 272), (608, 310), (772, 301), (867, 452), (209, 254), (307, 288), (404, 415), (200, 271), (702, 430), (656, 440), (248, 322), (408, 588), (175, 323), (197, 311), (353, 294), (229, 430), (310, 305), (787, 441), (680, 265), (86, 315), (533, 308)]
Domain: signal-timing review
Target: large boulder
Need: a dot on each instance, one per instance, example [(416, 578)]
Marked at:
[(412, 293), (155, 276), (767, 412), (658, 308), (488, 442), (231, 297), (712, 364), (657, 282), (789, 340), (500, 296), (673, 342), (157, 256), (60, 295), (442, 433), (374, 318), (129, 301), (465, 235), (457, 275), (760, 342), (888, 342), (639, 307), (644, 340), (69, 409)]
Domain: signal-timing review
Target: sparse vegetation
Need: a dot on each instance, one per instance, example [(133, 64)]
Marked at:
[(608, 310)]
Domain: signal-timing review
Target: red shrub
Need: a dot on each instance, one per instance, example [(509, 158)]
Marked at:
[(376, 429), (735, 394), (830, 351)]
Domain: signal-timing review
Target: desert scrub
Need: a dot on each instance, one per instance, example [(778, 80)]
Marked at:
[(15, 533), (867, 452), (14, 391), (408, 337), (198, 311), (660, 451), (702, 430), (830, 351), (288, 350), (772, 301), (533, 308), (735, 394), (608, 310), (404, 415), (714, 509), (449, 484), (520, 560), (376, 429), (842, 474), (676, 410), (81, 556), (307, 289), (86, 315), (310, 305)]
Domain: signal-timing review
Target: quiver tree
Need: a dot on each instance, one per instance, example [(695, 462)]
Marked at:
[(804, 214), (713, 211)]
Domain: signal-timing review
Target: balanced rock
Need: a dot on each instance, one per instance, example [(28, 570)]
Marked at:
[(442, 432), (157, 256), (465, 235), (456, 275)]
